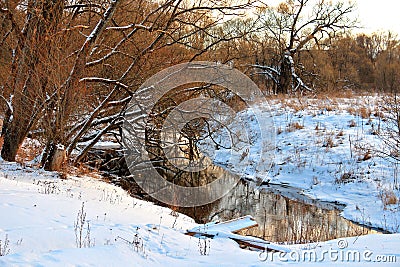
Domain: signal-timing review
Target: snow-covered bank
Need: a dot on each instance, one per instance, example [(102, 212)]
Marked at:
[(318, 149), (39, 213)]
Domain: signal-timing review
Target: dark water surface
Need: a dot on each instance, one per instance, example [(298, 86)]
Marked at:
[(283, 214)]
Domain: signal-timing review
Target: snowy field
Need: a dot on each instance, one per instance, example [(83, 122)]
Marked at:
[(83, 221), (327, 148), (39, 214)]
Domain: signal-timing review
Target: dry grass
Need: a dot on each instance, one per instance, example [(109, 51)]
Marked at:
[(328, 141), (345, 178), (378, 113), (329, 107), (294, 126), (294, 104), (352, 123), (359, 110), (395, 153), (351, 110), (364, 112), (29, 151), (366, 156), (80, 170), (388, 197), (335, 94)]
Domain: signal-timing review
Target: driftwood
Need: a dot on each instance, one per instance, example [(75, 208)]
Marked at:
[(229, 229)]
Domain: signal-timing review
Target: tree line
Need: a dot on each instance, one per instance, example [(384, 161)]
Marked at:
[(68, 69)]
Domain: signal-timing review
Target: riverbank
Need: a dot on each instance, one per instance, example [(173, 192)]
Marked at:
[(40, 218), (328, 149)]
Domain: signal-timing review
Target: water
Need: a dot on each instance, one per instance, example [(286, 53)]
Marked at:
[(283, 213), (279, 217)]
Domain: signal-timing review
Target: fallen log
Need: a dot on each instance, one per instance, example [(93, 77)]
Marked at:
[(228, 229)]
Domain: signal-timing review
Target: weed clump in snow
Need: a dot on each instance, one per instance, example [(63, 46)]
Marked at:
[(4, 246), (82, 230), (346, 177), (388, 197), (136, 244)]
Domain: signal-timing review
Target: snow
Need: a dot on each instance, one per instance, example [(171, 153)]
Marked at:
[(101, 145), (39, 211), (228, 226), (304, 157), (227, 229)]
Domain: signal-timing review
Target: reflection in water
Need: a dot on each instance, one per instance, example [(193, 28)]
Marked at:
[(279, 218)]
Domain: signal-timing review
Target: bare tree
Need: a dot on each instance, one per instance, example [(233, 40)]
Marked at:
[(76, 65), (388, 79), (33, 47), (293, 25)]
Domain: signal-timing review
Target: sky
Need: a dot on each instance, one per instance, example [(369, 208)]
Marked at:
[(377, 15), (373, 15)]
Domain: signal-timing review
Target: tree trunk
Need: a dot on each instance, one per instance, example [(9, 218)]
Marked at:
[(11, 145), (54, 157), (285, 75), (14, 132), (28, 85)]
